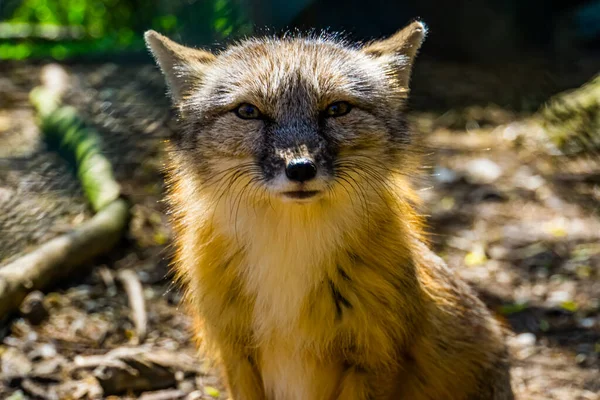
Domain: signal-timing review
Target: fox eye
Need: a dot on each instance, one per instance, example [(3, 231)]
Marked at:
[(247, 111), (338, 109)]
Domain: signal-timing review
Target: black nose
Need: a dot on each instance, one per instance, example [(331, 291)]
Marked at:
[(301, 170)]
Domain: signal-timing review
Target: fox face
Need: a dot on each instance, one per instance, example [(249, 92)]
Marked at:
[(295, 119)]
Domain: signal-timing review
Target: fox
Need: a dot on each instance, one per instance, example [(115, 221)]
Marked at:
[(298, 242)]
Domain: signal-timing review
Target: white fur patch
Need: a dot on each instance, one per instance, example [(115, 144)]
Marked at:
[(287, 247)]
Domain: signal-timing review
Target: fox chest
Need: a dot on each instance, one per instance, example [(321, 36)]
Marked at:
[(298, 301), (296, 325), (297, 344)]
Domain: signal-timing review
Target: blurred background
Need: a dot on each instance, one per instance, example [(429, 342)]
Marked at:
[(505, 95)]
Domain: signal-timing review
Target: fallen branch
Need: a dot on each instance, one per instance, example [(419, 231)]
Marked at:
[(60, 256), (64, 130)]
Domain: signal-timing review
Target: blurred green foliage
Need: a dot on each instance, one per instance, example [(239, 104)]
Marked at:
[(62, 29)]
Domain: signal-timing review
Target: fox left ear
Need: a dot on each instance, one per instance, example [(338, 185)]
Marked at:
[(183, 67), (400, 50)]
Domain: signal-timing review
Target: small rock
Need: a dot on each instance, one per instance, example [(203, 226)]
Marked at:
[(587, 323), (14, 364), (539, 289), (580, 358), (43, 351), (33, 308), (498, 252), (195, 395), (149, 293), (504, 277), (525, 339), (542, 273), (187, 386), (445, 175), (47, 350), (18, 395), (482, 171), (5, 193), (179, 375), (558, 297), (526, 178), (32, 337)]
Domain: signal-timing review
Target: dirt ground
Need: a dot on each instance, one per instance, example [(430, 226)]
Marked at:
[(517, 222)]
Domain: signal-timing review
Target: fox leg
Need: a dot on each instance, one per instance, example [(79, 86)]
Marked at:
[(243, 378)]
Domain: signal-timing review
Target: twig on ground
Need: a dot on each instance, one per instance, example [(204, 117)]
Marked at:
[(137, 369), (135, 294)]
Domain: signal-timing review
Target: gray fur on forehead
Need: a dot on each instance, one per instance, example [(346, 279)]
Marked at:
[(291, 50), (269, 69)]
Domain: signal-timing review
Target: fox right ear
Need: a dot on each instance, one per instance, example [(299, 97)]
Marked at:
[(400, 50), (183, 67)]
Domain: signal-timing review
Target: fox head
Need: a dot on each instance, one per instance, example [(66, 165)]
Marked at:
[(297, 120)]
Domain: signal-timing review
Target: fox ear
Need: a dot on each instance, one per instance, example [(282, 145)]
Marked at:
[(399, 50), (183, 67)]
